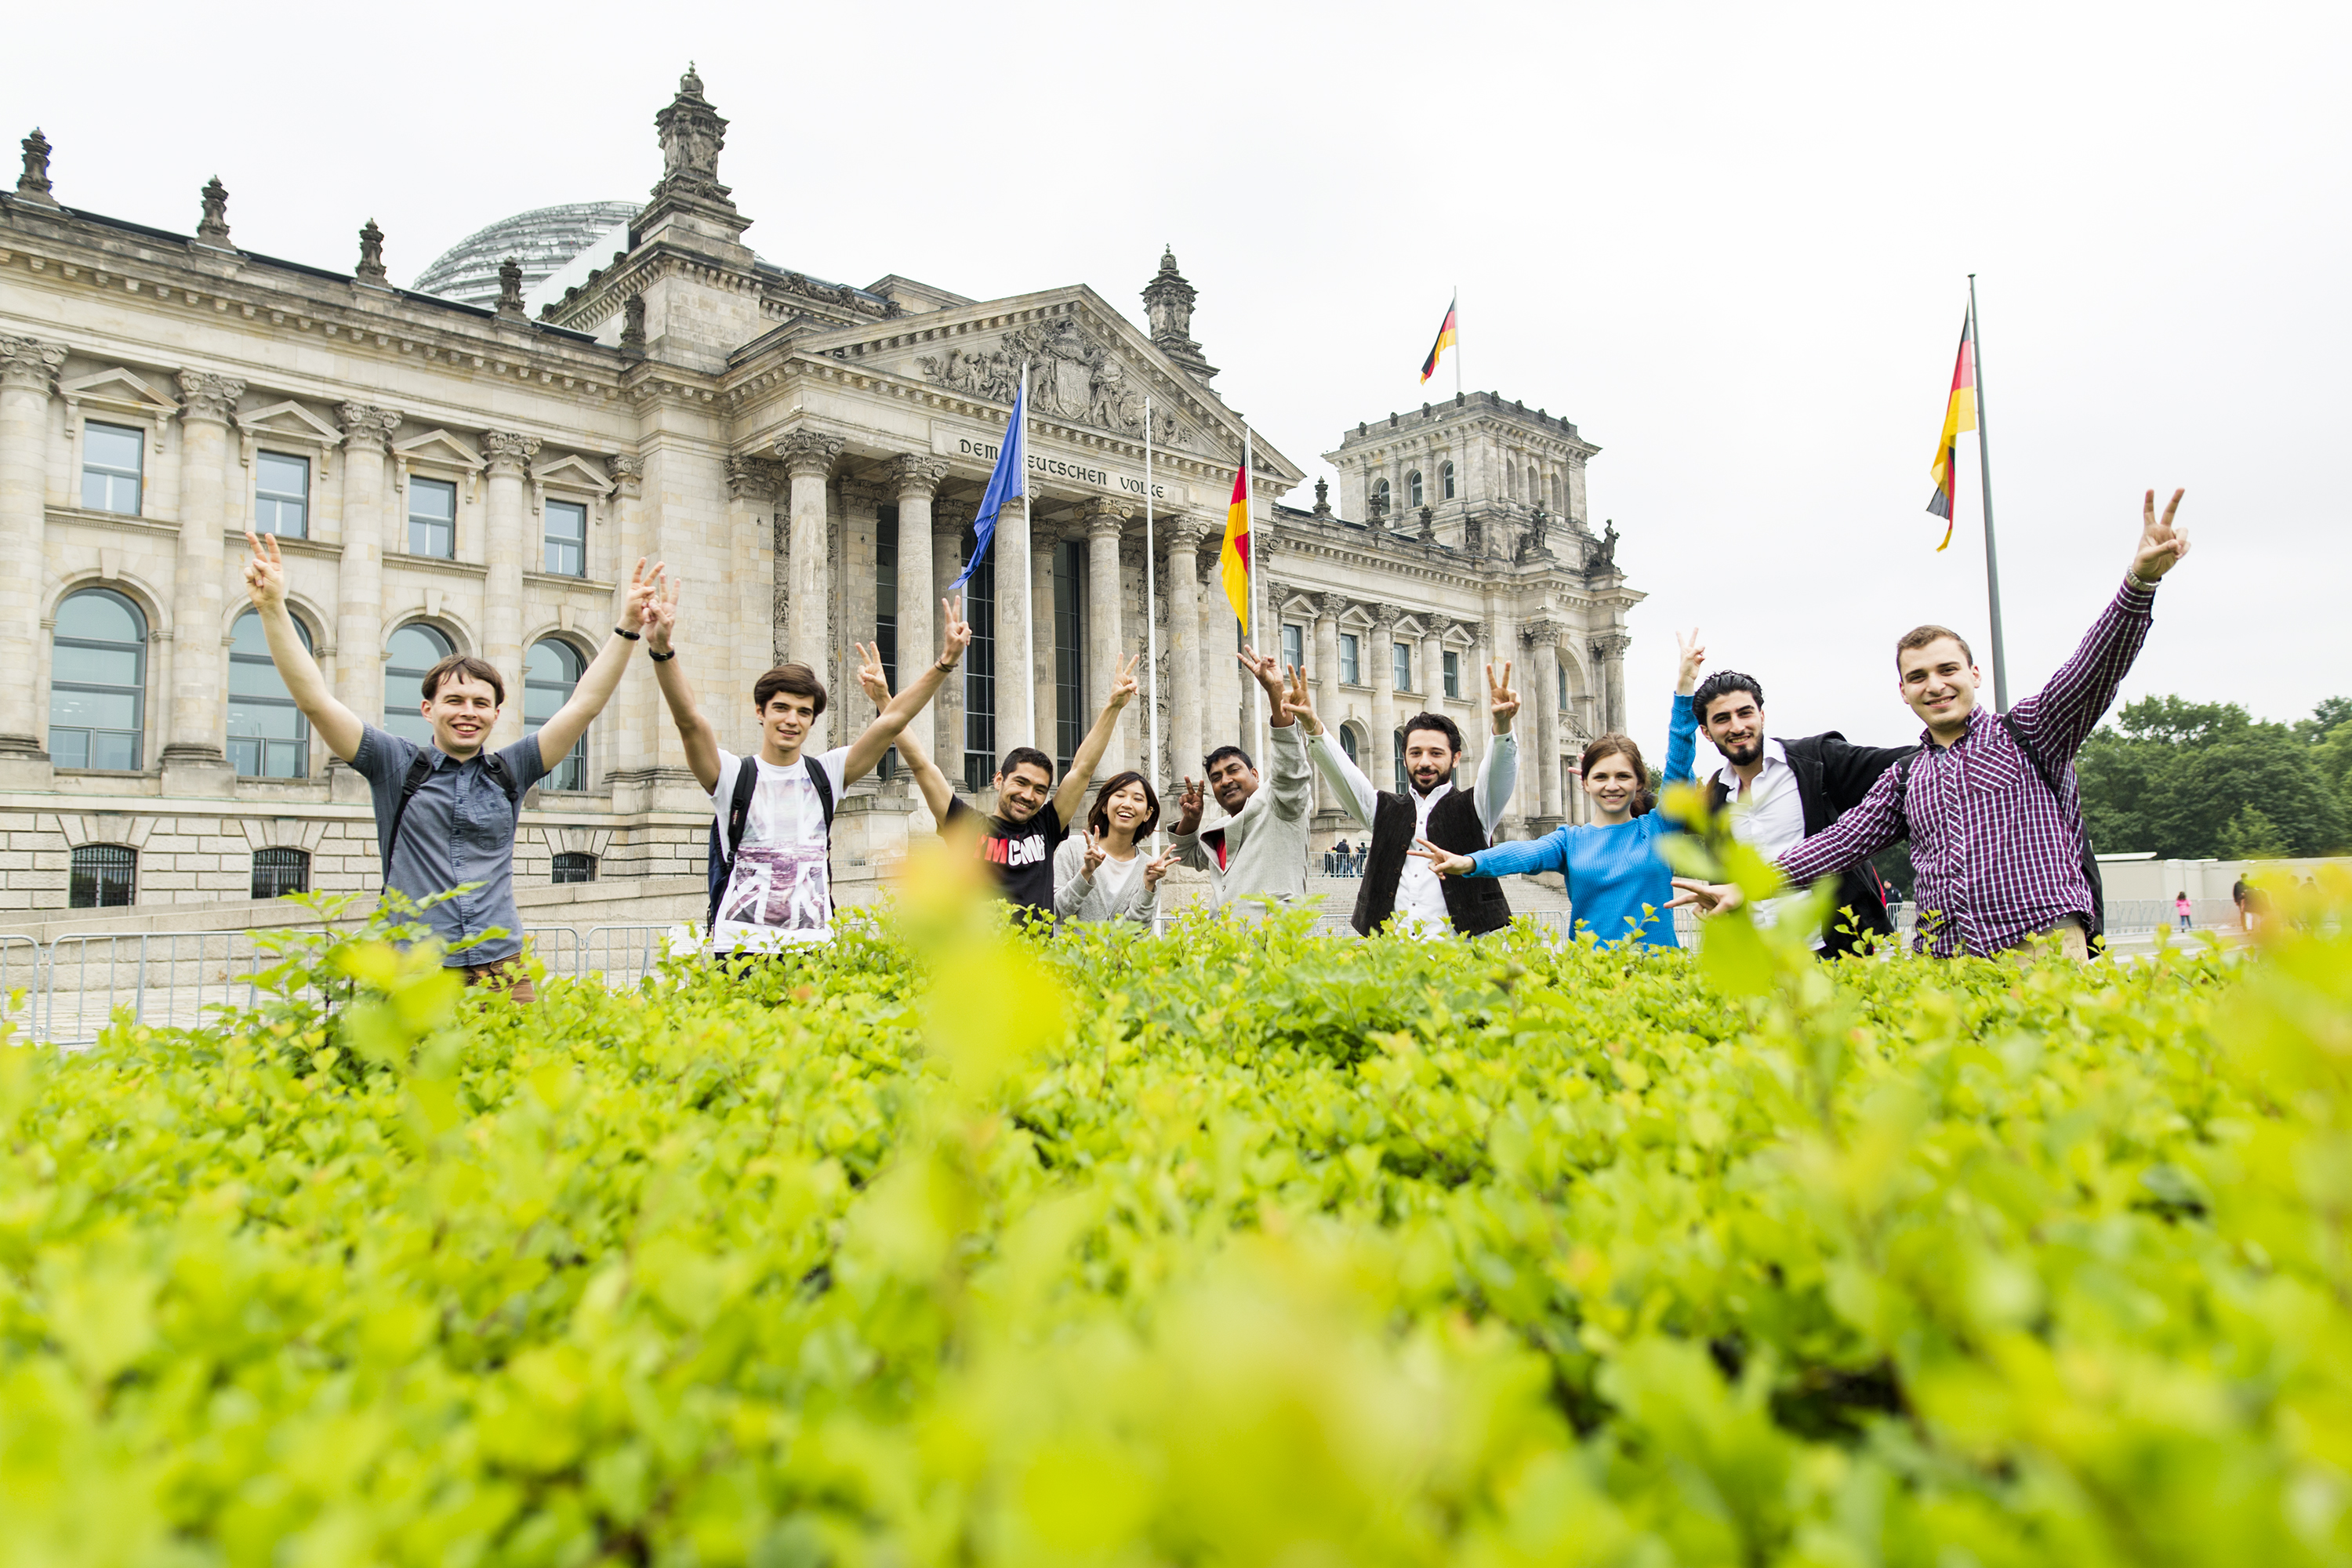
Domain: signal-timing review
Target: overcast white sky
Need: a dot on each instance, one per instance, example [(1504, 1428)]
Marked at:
[(1729, 241)]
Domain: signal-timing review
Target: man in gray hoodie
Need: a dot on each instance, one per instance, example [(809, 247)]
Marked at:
[(1260, 847)]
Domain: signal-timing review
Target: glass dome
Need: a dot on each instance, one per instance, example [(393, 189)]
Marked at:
[(542, 239)]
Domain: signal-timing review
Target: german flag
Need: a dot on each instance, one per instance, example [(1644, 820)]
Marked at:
[(1959, 414), (1445, 339), (1233, 559)]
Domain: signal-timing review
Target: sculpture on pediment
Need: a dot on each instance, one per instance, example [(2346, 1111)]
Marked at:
[(1473, 537), (1071, 377), (1428, 525), (1606, 560)]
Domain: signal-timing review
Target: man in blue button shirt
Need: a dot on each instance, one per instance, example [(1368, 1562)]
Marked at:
[(446, 814)]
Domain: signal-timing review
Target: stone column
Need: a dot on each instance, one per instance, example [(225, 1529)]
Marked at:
[(1433, 657), (752, 484), (195, 760), (1105, 638), (1542, 642), (1380, 766), (28, 370), (505, 547), (1609, 649), (1325, 671), (1017, 709), (808, 456), (1185, 688), (947, 521), (918, 638), (640, 713), (359, 579), (1043, 683)]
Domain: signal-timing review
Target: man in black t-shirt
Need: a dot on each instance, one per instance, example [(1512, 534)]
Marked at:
[(1032, 817)]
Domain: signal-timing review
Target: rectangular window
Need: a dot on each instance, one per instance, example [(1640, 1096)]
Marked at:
[(1069, 650), (281, 495), (1294, 647), (980, 672), (886, 613), (1404, 657), (1351, 660), (567, 539), (112, 461), (1453, 673), (433, 518)]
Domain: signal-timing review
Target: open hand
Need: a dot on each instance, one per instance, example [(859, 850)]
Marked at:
[(1502, 702), (640, 594), (1188, 808), (1445, 862), (1095, 855), (1301, 702), (2161, 545), (265, 572), (661, 618), (1157, 867), (871, 677), (1707, 898), (1693, 660), (955, 631)]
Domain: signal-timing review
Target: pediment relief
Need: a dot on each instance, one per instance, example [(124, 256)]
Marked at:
[(120, 388), (1073, 377)]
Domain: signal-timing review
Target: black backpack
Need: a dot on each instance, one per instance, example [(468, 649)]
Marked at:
[(420, 768), (738, 814), (2098, 921)]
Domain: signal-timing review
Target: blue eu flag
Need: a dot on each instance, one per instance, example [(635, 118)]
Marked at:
[(1007, 484)]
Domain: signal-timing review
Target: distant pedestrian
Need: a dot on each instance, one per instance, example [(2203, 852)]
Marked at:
[(2181, 909), (2238, 897)]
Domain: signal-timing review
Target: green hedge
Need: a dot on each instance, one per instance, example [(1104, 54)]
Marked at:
[(1238, 1246)]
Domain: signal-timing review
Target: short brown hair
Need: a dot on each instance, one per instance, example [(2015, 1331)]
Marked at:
[(464, 667), (1920, 636), (798, 679)]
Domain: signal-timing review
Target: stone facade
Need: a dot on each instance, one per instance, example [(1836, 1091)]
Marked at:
[(804, 454)]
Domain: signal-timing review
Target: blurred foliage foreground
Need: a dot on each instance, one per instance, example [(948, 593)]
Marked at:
[(1239, 1247)]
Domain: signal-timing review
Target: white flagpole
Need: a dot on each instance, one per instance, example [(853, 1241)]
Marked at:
[(1151, 643), (1455, 311), (1024, 661), (1251, 629)]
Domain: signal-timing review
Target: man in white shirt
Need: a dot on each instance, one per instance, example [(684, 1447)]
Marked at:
[(1397, 883), (1780, 793), (771, 835)]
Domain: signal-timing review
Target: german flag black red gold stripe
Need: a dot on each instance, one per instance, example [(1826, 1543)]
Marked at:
[(1444, 341), (1959, 414)]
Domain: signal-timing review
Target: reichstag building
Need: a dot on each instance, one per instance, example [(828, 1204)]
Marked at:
[(471, 463)]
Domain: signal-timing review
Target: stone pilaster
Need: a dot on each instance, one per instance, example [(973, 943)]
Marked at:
[(808, 456), (1042, 685), (506, 546), (948, 519), (916, 482), (637, 708), (28, 370), (752, 484), (1433, 663), (1106, 641), (1380, 766), (1541, 639), (196, 761), (358, 582), (1328, 608), (1609, 649), (1187, 690)]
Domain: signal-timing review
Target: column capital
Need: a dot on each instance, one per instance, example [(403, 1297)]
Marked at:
[(750, 478), (953, 516), (209, 398), (1437, 625), (507, 452), (809, 454), (1542, 633), (918, 477), (28, 362), (366, 427), (1106, 517), (1385, 617), (1330, 607), (627, 470), (1610, 645), (1186, 529)]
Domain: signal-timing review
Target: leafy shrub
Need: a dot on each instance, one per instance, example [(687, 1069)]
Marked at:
[(1236, 1246)]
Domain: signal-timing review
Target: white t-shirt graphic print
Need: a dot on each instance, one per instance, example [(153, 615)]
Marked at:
[(778, 893)]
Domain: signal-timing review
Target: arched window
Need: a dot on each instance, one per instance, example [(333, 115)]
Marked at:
[(105, 876), (98, 682), (1445, 482), (1353, 744), (1561, 670), (1560, 495), (1413, 486), (414, 649), (1510, 482), (268, 736), (549, 671), (574, 867), (277, 872), (1379, 495)]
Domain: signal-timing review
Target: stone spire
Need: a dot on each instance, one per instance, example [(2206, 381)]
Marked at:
[(510, 290), (371, 268), (688, 203), (33, 184), (1168, 305), (214, 229)]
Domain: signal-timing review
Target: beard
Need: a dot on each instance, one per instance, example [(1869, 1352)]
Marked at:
[(1744, 756)]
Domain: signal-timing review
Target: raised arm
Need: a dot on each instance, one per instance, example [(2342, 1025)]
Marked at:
[(2057, 719), (1682, 722), (932, 783), (1347, 782), (1498, 775), (603, 676), (265, 585), (1090, 750), (897, 713), (694, 727)]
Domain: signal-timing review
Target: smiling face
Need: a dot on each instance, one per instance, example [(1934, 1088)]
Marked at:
[(1232, 782), (1429, 759), (1735, 722), (1020, 792), (1939, 684), (785, 724), (1614, 784), (461, 712), (1126, 807)]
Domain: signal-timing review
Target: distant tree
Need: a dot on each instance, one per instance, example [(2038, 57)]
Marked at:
[(2251, 835), (2182, 780)]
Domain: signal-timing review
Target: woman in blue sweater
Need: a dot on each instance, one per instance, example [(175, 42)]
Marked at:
[(1621, 889)]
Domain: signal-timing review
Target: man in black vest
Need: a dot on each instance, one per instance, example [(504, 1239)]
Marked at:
[(1461, 820), (1784, 792)]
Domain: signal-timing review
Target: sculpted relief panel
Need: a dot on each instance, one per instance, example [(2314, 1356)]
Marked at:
[(1072, 378)]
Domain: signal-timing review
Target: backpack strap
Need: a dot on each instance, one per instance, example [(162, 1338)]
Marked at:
[(821, 782), (738, 804), (420, 768), (500, 775)]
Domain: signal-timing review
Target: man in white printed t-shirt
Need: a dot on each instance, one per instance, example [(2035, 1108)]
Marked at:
[(773, 812)]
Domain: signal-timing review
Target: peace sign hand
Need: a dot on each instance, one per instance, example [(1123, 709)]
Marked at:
[(661, 618), (1157, 867), (2161, 545), (265, 572), (1501, 700), (955, 631), (638, 598), (1301, 702), (1445, 863), (1123, 689), (1095, 855), (871, 677), (1693, 660)]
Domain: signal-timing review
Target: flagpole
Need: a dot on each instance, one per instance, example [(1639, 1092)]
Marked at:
[(1150, 641), (1455, 311), (1250, 627), (1984, 457)]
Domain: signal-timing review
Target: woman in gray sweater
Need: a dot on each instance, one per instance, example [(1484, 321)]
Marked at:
[(1106, 875)]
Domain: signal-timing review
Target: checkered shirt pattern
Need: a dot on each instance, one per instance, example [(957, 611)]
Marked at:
[(1999, 857)]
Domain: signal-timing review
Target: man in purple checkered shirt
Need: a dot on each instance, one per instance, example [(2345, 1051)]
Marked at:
[(1998, 855)]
